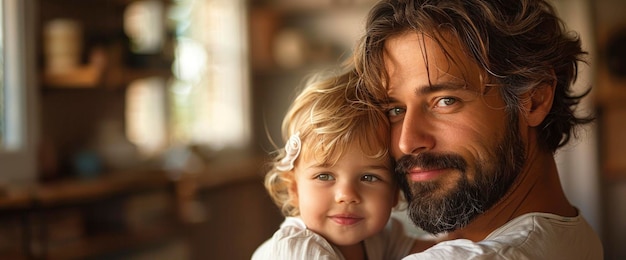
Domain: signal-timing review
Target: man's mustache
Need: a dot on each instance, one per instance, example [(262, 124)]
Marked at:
[(426, 161), (430, 161)]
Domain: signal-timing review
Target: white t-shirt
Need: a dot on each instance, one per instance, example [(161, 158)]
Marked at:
[(294, 241), (530, 236)]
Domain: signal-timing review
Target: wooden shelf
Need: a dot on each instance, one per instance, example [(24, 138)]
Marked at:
[(13, 255), (107, 243), (81, 191), (14, 198), (91, 76), (83, 77)]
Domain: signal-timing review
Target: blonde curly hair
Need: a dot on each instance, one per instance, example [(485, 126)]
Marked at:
[(329, 114)]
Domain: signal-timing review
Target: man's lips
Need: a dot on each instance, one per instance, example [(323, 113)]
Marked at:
[(346, 219), (419, 175)]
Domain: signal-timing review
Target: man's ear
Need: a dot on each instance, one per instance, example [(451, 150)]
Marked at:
[(541, 99)]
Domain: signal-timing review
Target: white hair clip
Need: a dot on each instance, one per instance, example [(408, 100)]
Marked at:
[(292, 150)]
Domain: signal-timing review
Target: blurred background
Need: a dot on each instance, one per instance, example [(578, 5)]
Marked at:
[(139, 129)]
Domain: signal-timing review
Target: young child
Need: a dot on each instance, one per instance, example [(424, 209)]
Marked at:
[(334, 180)]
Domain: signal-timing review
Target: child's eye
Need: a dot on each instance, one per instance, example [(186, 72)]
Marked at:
[(369, 178), (324, 177)]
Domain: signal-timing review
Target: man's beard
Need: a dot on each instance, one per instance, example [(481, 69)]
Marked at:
[(436, 212)]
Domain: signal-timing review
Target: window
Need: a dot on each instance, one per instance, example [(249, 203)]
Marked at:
[(11, 91), (17, 138), (2, 88), (207, 101)]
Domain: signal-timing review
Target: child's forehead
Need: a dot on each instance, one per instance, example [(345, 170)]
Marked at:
[(346, 164), (354, 151)]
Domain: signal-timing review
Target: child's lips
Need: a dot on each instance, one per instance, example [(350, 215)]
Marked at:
[(346, 219)]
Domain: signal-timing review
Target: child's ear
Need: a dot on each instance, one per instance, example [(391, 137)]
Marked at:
[(293, 192), (540, 104)]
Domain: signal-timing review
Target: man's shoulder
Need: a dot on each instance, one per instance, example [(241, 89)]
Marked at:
[(531, 236)]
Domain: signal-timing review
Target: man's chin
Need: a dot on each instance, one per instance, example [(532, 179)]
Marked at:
[(442, 206), (438, 189)]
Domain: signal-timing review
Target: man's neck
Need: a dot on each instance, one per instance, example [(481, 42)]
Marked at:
[(537, 189)]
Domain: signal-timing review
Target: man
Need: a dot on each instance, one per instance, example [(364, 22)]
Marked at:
[(478, 96)]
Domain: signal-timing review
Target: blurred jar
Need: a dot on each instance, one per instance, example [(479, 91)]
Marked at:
[(62, 45)]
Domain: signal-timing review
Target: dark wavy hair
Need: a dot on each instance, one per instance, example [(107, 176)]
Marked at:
[(520, 45)]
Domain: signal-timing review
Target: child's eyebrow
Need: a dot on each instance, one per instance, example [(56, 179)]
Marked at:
[(320, 165), (377, 167), (368, 167)]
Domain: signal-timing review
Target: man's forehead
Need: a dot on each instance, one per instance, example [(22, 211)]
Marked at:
[(416, 57)]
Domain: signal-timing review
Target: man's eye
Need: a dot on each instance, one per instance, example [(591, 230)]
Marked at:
[(324, 177), (447, 101), (396, 111), (369, 178)]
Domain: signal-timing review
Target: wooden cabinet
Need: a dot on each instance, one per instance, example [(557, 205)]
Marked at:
[(126, 214), (78, 219), (86, 61)]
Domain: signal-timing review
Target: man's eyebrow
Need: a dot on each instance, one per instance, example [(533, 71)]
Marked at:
[(429, 89), (423, 90)]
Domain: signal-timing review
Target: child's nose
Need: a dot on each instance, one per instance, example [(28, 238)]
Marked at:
[(347, 193)]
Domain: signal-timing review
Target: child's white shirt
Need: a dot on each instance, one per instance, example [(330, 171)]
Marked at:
[(294, 241)]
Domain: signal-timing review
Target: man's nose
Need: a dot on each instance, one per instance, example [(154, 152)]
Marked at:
[(415, 134)]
